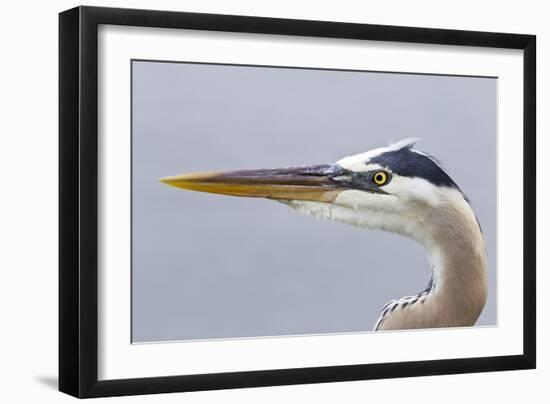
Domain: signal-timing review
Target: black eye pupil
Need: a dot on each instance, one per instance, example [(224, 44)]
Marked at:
[(380, 178)]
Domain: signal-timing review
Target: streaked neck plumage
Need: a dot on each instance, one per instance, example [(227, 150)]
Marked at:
[(457, 290)]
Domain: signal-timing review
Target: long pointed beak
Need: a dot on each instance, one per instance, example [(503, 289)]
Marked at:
[(313, 183)]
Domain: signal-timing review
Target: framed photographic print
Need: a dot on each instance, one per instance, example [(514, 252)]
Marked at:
[(250, 201)]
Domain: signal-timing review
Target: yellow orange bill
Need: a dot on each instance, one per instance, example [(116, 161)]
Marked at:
[(297, 183)]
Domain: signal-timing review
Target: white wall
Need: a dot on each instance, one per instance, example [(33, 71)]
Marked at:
[(28, 201)]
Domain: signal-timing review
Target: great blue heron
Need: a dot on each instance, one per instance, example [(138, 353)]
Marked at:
[(396, 189)]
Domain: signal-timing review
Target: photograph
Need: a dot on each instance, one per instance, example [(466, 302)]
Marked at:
[(273, 201), (250, 201)]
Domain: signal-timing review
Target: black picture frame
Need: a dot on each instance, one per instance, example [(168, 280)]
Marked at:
[(78, 201)]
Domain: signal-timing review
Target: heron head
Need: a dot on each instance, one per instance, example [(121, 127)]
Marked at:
[(393, 188)]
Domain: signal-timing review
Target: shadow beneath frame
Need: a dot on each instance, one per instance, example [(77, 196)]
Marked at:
[(48, 381)]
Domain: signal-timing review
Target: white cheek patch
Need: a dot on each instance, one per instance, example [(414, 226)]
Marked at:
[(414, 190), (343, 212), (377, 211)]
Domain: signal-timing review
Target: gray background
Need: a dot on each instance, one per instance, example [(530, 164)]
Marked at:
[(211, 266)]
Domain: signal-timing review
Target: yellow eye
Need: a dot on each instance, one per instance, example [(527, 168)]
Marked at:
[(380, 178)]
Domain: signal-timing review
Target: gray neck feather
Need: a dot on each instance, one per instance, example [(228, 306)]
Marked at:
[(457, 290)]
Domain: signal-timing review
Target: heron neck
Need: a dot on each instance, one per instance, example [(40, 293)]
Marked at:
[(457, 290), (458, 259)]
